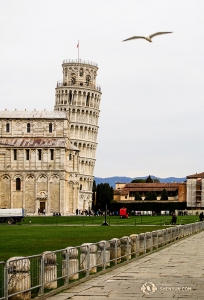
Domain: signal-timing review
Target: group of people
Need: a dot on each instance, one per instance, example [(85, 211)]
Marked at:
[(201, 216), (39, 212), (173, 219)]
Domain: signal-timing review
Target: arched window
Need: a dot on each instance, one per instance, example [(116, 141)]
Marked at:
[(70, 156), (87, 99), (50, 127), (51, 154), (7, 127), (28, 127), (18, 184)]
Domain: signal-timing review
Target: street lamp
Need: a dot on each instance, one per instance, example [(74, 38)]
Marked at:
[(104, 222)]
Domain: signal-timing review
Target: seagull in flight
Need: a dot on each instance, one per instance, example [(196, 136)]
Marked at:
[(148, 38)]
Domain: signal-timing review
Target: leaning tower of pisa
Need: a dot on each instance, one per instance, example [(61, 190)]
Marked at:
[(80, 96)]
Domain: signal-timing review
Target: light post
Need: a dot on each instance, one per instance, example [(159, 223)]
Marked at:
[(104, 222)]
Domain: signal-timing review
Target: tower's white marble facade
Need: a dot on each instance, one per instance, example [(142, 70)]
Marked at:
[(80, 96)]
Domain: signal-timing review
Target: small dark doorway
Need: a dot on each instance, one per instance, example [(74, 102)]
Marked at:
[(42, 207)]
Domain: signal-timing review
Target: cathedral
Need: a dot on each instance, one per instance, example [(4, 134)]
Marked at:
[(47, 158)]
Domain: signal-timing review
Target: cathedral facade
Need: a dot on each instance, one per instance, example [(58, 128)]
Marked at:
[(47, 158)]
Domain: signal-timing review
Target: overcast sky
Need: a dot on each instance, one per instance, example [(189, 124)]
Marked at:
[(152, 107)]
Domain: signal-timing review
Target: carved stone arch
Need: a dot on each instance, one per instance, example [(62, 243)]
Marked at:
[(54, 178), (30, 177), (17, 175), (5, 177), (42, 178), (73, 110)]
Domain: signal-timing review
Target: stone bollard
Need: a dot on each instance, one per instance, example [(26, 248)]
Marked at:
[(164, 236), (148, 241), (154, 239), (179, 231), (115, 250), (19, 277), (73, 263), (50, 270), (142, 243), (103, 254), (160, 238), (126, 247), (88, 257), (173, 233), (168, 235), (134, 244)]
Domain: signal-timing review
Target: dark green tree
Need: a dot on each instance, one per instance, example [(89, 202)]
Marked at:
[(149, 179), (154, 196), (138, 180), (94, 188), (137, 196), (164, 195), (104, 195), (151, 196), (148, 196)]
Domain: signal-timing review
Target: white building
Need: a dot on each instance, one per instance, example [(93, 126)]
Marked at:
[(195, 190), (47, 159)]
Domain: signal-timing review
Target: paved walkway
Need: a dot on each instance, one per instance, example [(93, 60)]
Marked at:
[(175, 272)]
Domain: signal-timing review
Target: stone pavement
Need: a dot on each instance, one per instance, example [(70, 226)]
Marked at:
[(175, 272)]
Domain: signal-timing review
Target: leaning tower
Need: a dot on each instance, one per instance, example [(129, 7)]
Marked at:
[(80, 96)]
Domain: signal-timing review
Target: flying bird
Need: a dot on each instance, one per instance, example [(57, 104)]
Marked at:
[(148, 38)]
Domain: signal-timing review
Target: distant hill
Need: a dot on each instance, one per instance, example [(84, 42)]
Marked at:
[(123, 179)]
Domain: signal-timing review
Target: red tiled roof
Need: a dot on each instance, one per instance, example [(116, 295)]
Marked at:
[(151, 185), (197, 175), (148, 187), (34, 142)]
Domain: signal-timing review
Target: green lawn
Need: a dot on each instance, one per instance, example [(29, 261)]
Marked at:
[(113, 220), (50, 233)]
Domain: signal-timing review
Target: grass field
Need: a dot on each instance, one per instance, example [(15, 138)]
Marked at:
[(113, 220), (51, 233)]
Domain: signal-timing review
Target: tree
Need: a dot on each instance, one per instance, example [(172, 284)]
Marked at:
[(149, 179), (151, 196), (154, 196), (104, 195), (94, 188), (148, 196), (164, 195), (137, 196), (138, 180)]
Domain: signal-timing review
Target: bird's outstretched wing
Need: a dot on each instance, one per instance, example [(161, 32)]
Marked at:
[(158, 33), (134, 37)]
